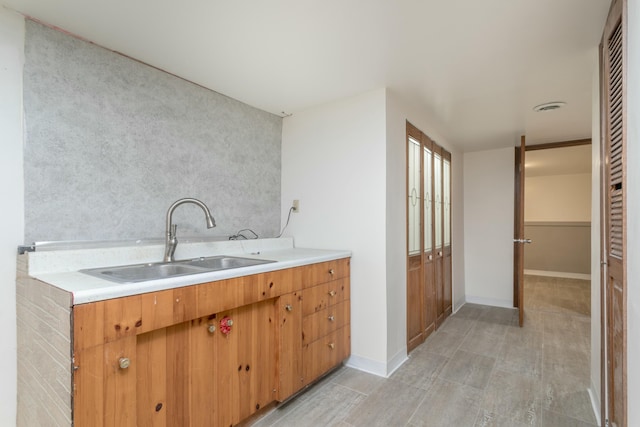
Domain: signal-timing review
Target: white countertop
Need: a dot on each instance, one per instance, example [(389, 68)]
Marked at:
[(60, 267)]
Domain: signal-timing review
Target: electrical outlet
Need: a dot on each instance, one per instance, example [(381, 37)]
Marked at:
[(296, 205)]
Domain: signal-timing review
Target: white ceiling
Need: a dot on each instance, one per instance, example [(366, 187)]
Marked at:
[(477, 67)]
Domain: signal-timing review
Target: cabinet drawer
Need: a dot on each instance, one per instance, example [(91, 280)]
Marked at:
[(325, 321), (322, 296), (325, 353), (315, 274)]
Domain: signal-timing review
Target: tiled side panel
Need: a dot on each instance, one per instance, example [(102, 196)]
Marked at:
[(44, 351)]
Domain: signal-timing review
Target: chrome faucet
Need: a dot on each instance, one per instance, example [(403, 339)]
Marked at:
[(171, 240)]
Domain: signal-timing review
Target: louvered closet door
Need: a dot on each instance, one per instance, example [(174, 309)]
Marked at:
[(614, 190)]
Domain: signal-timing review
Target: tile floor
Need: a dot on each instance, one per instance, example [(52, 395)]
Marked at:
[(478, 369)]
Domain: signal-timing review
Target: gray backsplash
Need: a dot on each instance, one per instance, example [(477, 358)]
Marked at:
[(110, 143)]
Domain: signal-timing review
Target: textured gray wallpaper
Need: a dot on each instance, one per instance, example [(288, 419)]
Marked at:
[(111, 143)]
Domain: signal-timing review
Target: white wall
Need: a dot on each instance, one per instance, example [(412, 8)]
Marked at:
[(398, 112), (334, 162), (488, 226), (633, 212), (12, 213), (594, 388), (346, 163), (558, 198)]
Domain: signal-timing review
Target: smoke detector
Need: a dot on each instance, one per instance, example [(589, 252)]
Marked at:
[(549, 106)]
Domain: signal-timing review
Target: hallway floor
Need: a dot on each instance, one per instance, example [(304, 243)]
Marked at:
[(478, 369)]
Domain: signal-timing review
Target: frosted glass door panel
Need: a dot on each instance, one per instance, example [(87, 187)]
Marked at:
[(447, 202), (437, 179), (414, 199), (428, 211)]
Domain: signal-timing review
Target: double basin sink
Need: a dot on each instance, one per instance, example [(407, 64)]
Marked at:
[(162, 270)]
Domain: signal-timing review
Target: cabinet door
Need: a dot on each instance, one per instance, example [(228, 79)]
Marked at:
[(290, 345), (104, 384), (176, 376), (246, 361)]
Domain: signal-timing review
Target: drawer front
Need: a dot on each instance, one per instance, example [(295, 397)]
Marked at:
[(315, 274), (322, 296), (325, 321), (325, 353)]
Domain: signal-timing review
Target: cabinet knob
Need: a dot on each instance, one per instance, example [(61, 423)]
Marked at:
[(332, 293), (332, 345), (331, 272), (331, 318), (212, 328), (124, 362), (288, 307)]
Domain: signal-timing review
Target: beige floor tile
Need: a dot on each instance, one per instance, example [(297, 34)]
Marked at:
[(441, 342), (457, 326), (568, 396), (469, 369), (514, 397), (448, 404), (486, 344), (391, 405), (420, 370), (499, 315), (565, 362), (553, 419), (470, 311), (520, 359), (362, 382), (327, 408), (489, 419)]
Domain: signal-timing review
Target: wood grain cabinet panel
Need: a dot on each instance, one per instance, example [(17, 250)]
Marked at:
[(290, 378), (325, 353), (164, 359), (316, 325)]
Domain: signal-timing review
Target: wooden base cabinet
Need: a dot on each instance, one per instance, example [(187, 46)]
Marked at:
[(183, 357), (315, 327)]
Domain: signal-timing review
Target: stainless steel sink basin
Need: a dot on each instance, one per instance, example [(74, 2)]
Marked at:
[(224, 262), (141, 272)]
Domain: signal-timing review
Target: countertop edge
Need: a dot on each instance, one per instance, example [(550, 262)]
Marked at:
[(87, 289)]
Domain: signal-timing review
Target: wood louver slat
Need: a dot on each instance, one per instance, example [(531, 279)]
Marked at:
[(615, 143)]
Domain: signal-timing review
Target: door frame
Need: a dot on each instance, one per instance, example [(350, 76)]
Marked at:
[(519, 198)]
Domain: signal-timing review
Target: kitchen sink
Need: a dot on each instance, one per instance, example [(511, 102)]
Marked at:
[(152, 271), (224, 262)]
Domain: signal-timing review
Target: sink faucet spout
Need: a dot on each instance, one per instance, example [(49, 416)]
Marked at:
[(171, 240)]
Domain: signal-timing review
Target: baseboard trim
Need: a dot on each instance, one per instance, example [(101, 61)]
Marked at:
[(562, 274), (378, 368), (595, 402), (494, 302), (458, 305)]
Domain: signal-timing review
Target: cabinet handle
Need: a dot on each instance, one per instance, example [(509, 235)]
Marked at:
[(430, 257), (332, 345), (124, 362), (288, 307), (332, 293), (212, 328), (331, 272), (439, 253), (331, 318)]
